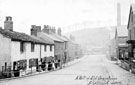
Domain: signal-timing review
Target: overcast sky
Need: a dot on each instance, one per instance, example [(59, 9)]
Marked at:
[(68, 14)]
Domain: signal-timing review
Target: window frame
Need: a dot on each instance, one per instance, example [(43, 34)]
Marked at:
[(50, 47), (32, 47), (22, 47), (45, 48)]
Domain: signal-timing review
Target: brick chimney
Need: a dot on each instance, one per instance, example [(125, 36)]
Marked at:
[(8, 24), (46, 29), (50, 30), (53, 29), (38, 28), (59, 31), (118, 14), (35, 29)]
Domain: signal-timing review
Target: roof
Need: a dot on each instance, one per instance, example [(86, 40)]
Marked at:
[(122, 31), (70, 40), (133, 8), (45, 37), (66, 38), (50, 37), (55, 37), (42, 40), (17, 36), (59, 37)]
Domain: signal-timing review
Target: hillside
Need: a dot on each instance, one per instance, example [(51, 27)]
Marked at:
[(91, 37)]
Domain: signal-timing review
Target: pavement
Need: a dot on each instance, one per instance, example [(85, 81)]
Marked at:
[(89, 70)]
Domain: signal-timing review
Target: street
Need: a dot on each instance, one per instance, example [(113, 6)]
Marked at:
[(90, 70)]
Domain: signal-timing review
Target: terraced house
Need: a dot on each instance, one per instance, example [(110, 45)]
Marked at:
[(20, 52), (60, 52)]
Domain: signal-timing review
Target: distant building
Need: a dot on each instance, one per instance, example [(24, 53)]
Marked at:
[(131, 39), (121, 36), (118, 45)]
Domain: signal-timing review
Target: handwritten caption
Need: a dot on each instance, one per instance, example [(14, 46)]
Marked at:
[(99, 80)]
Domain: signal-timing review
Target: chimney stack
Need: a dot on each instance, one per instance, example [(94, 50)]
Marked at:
[(49, 30), (35, 29), (54, 30), (59, 31), (8, 24), (38, 28), (46, 29), (118, 14)]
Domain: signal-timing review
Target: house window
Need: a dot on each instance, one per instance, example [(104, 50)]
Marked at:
[(44, 47), (32, 47), (50, 47), (22, 46), (130, 34)]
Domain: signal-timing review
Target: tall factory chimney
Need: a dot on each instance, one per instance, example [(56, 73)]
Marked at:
[(118, 15)]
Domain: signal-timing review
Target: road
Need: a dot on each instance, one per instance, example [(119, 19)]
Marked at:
[(90, 70)]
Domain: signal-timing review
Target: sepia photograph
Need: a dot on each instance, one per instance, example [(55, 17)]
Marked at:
[(67, 42)]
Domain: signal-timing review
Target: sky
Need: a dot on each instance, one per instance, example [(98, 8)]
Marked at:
[(70, 15)]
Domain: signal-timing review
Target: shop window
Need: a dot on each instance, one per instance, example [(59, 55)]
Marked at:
[(22, 47), (32, 47), (126, 56), (121, 55)]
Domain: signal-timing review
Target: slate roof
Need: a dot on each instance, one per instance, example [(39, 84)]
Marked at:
[(133, 8), (51, 37), (64, 39), (42, 40), (55, 37), (122, 30), (59, 37), (45, 36), (17, 36)]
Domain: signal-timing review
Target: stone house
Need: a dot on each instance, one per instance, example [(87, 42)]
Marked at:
[(19, 51), (50, 36), (60, 43)]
